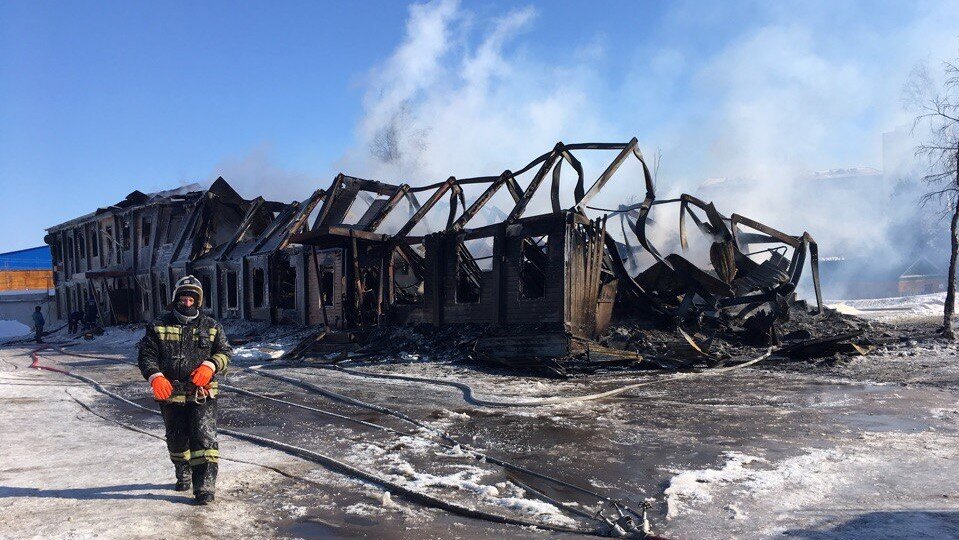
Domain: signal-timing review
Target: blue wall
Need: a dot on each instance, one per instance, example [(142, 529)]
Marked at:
[(37, 258)]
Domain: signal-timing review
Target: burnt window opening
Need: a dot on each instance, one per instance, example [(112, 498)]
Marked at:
[(81, 247), (146, 231), (326, 286), (286, 285), (407, 288), (126, 235), (207, 290), (258, 287), (533, 267), (146, 301), (108, 238), (173, 228), (232, 296), (70, 256), (473, 257), (163, 296), (95, 242)]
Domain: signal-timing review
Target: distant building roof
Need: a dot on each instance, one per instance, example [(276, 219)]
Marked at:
[(38, 258), (138, 198), (850, 172), (922, 267)]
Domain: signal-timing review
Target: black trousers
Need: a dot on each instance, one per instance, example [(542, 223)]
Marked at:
[(191, 440)]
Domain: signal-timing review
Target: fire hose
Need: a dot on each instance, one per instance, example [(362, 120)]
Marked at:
[(622, 526), (471, 397), (450, 443)]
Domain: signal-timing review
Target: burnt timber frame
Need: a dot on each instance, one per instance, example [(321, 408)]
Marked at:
[(370, 251)]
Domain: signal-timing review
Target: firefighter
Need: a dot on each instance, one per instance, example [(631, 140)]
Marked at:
[(180, 355), (90, 315), (38, 323)]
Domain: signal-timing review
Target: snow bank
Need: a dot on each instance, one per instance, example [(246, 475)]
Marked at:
[(10, 329), (922, 305)]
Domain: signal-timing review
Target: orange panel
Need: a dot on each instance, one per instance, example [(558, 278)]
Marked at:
[(18, 280)]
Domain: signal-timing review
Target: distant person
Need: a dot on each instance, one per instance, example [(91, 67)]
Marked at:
[(73, 321), (38, 322), (90, 315), (180, 354)]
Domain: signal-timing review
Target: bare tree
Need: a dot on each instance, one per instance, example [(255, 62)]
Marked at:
[(657, 161), (938, 112)]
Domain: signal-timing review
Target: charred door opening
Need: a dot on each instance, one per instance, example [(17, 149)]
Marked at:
[(259, 283), (232, 294), (207, 290), (468, 272), (533, 266), (286, 285), (327, 281), (163, 300)]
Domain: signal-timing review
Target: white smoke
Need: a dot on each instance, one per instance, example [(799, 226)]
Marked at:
[(795, 93), (461, 97), (256, 172)]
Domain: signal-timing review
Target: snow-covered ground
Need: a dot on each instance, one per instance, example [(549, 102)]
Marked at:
[(864, 448), (10, 329), (898, 308)]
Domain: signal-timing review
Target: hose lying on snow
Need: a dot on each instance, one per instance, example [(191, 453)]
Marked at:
[(341, 467), (135, 429), (470, 396), (450, 443)]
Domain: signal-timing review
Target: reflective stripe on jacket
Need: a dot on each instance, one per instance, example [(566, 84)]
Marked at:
[(176, 349)]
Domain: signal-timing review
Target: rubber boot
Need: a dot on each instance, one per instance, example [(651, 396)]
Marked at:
[(204, 482), (184, 480)]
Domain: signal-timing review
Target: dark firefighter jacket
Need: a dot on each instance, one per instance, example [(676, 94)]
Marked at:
[(176, 349)]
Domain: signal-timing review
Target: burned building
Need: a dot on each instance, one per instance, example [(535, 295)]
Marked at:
[(110, 255), (519, 250), (127, 256), (559, 270)]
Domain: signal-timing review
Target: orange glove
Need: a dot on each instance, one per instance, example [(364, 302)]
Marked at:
[(201, 376), (162, 389)]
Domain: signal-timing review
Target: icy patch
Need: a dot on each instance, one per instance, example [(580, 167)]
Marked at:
[(793, 483), (293, 510), (845, 309), (690, 486), (120, 336), (945, 414), (467, 478), (256, 352), (455, 415), (455, 452), (363, 509), (735, 512), (417, 445)]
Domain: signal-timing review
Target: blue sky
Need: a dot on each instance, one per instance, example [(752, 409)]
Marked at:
[(99, 99)]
